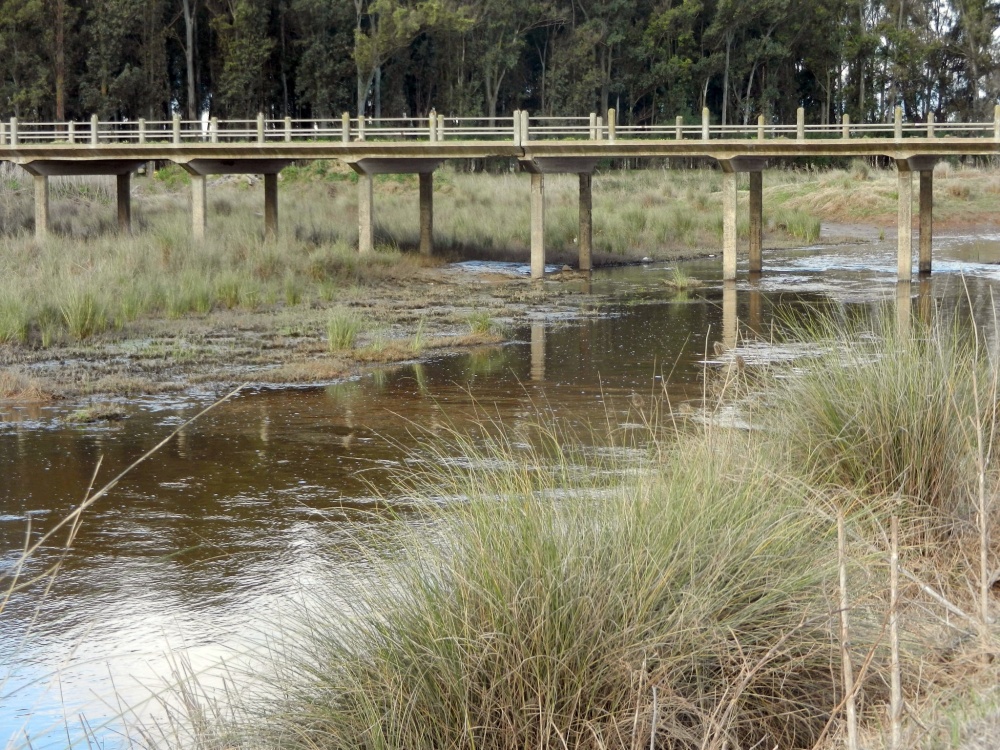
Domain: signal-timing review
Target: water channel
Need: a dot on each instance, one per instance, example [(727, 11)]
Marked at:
[(196, 554)]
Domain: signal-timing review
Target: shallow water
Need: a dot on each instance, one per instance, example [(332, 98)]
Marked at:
[(197, 553)]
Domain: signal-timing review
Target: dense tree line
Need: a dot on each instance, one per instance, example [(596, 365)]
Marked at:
[(650, 59)]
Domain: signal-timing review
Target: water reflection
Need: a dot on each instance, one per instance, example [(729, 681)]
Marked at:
[(252, 502)]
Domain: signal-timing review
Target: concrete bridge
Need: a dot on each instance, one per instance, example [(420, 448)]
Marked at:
[(540, 145)]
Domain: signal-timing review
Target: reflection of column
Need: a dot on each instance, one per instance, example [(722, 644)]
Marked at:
[(729, 330), (904, 250), (903, 289), (586, 221), (756, 318), (926, 219), (756, 221), (538, 351), (925, 301), (537, 226), (728, 226), (366, 214)]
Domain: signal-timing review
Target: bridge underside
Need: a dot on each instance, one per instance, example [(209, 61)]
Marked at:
[(538, 158)]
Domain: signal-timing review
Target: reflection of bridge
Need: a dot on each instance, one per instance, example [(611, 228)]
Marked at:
[(541, 145)]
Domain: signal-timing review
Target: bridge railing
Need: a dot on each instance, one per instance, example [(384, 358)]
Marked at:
[(518, 128)]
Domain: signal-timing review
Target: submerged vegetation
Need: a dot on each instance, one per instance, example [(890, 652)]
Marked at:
[(678, 590)]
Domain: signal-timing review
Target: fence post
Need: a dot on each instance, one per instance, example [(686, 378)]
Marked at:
[(260, 127), (71, 132), (176, 129), (593, 126), (845, 126), (897, 127), (13, 131), (612, 125), (3, 134), (679, 127), (760, 127), (517, 127), (142, 130), (440, 127), (93, 130), (705, 118), (288, 130), (600, 127), (930, 124), (213, 130), (432, 126), (525, 127), (996, 122), (800, 124), (361, 127), (345, 127)]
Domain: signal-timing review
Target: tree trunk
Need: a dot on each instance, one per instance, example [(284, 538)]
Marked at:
[(60, 61), (725, 78), (190, 19)]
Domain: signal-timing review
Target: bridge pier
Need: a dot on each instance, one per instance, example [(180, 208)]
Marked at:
[(730, 330), (41, 206), (924, 165), (426, 213), (124, 194), (926, 219), (730, 171), (904, 224)]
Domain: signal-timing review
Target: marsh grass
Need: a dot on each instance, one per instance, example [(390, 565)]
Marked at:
[(342, 329)]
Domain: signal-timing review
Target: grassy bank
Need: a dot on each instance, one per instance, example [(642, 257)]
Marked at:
[(678, 592)]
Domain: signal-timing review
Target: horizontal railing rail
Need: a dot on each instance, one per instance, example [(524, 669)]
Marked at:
[(519, 128)]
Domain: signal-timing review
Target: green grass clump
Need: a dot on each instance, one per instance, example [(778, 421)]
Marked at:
[(342, 329), (84, 314), (546, 607), (892, 414), (13, 322)]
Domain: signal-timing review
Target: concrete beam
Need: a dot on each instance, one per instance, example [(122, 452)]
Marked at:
[(756, 221), (426, 213), (560, 164), (743, 164), (904, 230), (401, 165), (585, 240), (208, 167), (926, 219), (270, 205), (537, 225), (728, 226), (199, 207), (124, 192), (366, 214), (66, 168), (41, 206)]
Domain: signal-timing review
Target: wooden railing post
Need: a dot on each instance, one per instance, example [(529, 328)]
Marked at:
[(705, 116), (760, 127), (800, 124), (13, 132), (612, 125), (930, 124), (996, 122), (176, 126), (440, 127), (288, 129), (845, 126), (260, 127), (525, 127), (897, 126), (600, 128), (361, 127), (94, 138), (345, 127), (142, 130), (679, 127), (3, 134), (213, 130), (517, 127), (71, 131), (432, 126), (593, 126)]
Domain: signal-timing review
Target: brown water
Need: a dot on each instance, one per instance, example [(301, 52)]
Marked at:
[(199, 552)]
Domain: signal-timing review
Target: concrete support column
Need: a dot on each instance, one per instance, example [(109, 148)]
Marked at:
[(125, 202), (537, 225), (41, 206), (756, 221), (366, 214), (586, 234), (904, 252), (426, 213), (538, 351), (271, 205), (199, 206), (926, 219), (728, 226)]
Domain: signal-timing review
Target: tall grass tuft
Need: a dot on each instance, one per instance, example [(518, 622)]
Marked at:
[(342, 329), (891, 414), (84, 314), (552, 604)]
